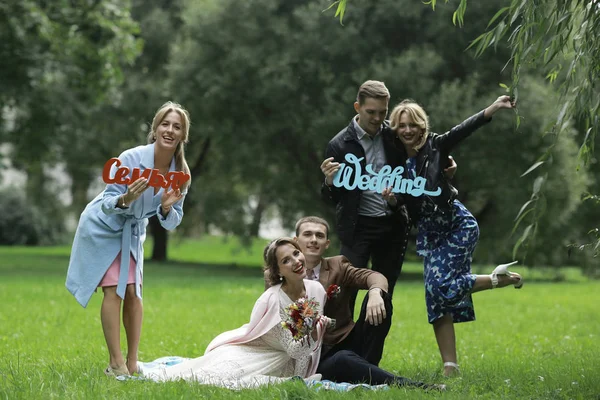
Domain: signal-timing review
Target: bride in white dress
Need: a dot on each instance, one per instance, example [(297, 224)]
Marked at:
[(261, 351)]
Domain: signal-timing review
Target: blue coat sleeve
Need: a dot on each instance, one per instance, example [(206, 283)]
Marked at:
[(173, 218), (113, 191)]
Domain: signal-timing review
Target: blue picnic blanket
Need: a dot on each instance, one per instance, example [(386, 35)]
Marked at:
[(160, 364)]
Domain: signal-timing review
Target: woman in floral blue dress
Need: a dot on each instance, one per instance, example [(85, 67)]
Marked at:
[(447, 231)]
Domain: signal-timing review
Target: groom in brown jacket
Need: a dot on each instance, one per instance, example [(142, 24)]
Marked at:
[(352, 350)]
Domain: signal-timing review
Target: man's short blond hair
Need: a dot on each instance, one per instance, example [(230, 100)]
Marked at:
[(373, 89), (314, 220)]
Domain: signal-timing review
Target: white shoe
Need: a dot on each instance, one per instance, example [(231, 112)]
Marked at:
[(502, 269)]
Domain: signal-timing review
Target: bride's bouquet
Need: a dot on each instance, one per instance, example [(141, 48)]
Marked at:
[(301, 317)]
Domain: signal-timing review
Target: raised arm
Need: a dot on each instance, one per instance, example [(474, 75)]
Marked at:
[(502, 102), (451, 138)]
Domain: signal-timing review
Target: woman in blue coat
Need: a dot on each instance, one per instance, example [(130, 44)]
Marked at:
[(108, 246)]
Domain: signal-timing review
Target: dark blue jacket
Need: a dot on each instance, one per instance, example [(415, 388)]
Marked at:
[(347, 202)]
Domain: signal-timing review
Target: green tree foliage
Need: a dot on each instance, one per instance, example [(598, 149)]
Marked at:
[(72, 43), (560, 38), (26, 223), (63, 59)]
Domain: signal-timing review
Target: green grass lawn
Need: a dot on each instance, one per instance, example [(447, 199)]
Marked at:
[(227, 251), (535, 343)]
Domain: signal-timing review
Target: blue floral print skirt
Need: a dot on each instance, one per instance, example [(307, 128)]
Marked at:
[(447, 240)]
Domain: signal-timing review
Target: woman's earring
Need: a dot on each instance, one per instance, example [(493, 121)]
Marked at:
[(280, 278)]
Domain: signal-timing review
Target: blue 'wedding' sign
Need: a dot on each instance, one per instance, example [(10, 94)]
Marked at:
[(378, 181)]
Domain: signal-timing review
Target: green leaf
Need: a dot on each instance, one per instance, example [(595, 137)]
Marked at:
[(547, 154), (542, 205), (537, 184), (459, 14), (583, 153), (552, 75), (518, 222), (521, 240), (331, 6), (534, 166), (517, 12), (477, 40), (562, 113), (432, 2), (498, 14), (506, 88), (514, 33), (340, 11), (523, 208)]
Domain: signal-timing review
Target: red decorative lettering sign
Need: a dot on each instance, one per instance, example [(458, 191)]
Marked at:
[(174, 179)]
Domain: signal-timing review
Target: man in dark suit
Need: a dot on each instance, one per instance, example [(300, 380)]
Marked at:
[(351, 350), (368, 227)]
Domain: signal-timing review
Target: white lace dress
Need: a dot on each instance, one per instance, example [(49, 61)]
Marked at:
[(271, 358)]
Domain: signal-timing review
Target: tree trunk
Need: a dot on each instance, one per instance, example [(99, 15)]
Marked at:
[(196, 167), (35, 186), (261, 206), (80, 182), (159, 234)]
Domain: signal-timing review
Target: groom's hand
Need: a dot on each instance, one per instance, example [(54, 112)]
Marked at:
[(329, 168), (375, 307)]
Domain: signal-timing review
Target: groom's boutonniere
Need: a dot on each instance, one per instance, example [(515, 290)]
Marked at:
[(333, 291)]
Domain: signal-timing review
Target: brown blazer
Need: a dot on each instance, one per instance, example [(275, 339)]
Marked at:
[(338, 271)]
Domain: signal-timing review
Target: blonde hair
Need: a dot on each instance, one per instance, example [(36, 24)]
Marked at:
[(373, 89), (180, 161), (271, 266), (416, 114)]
